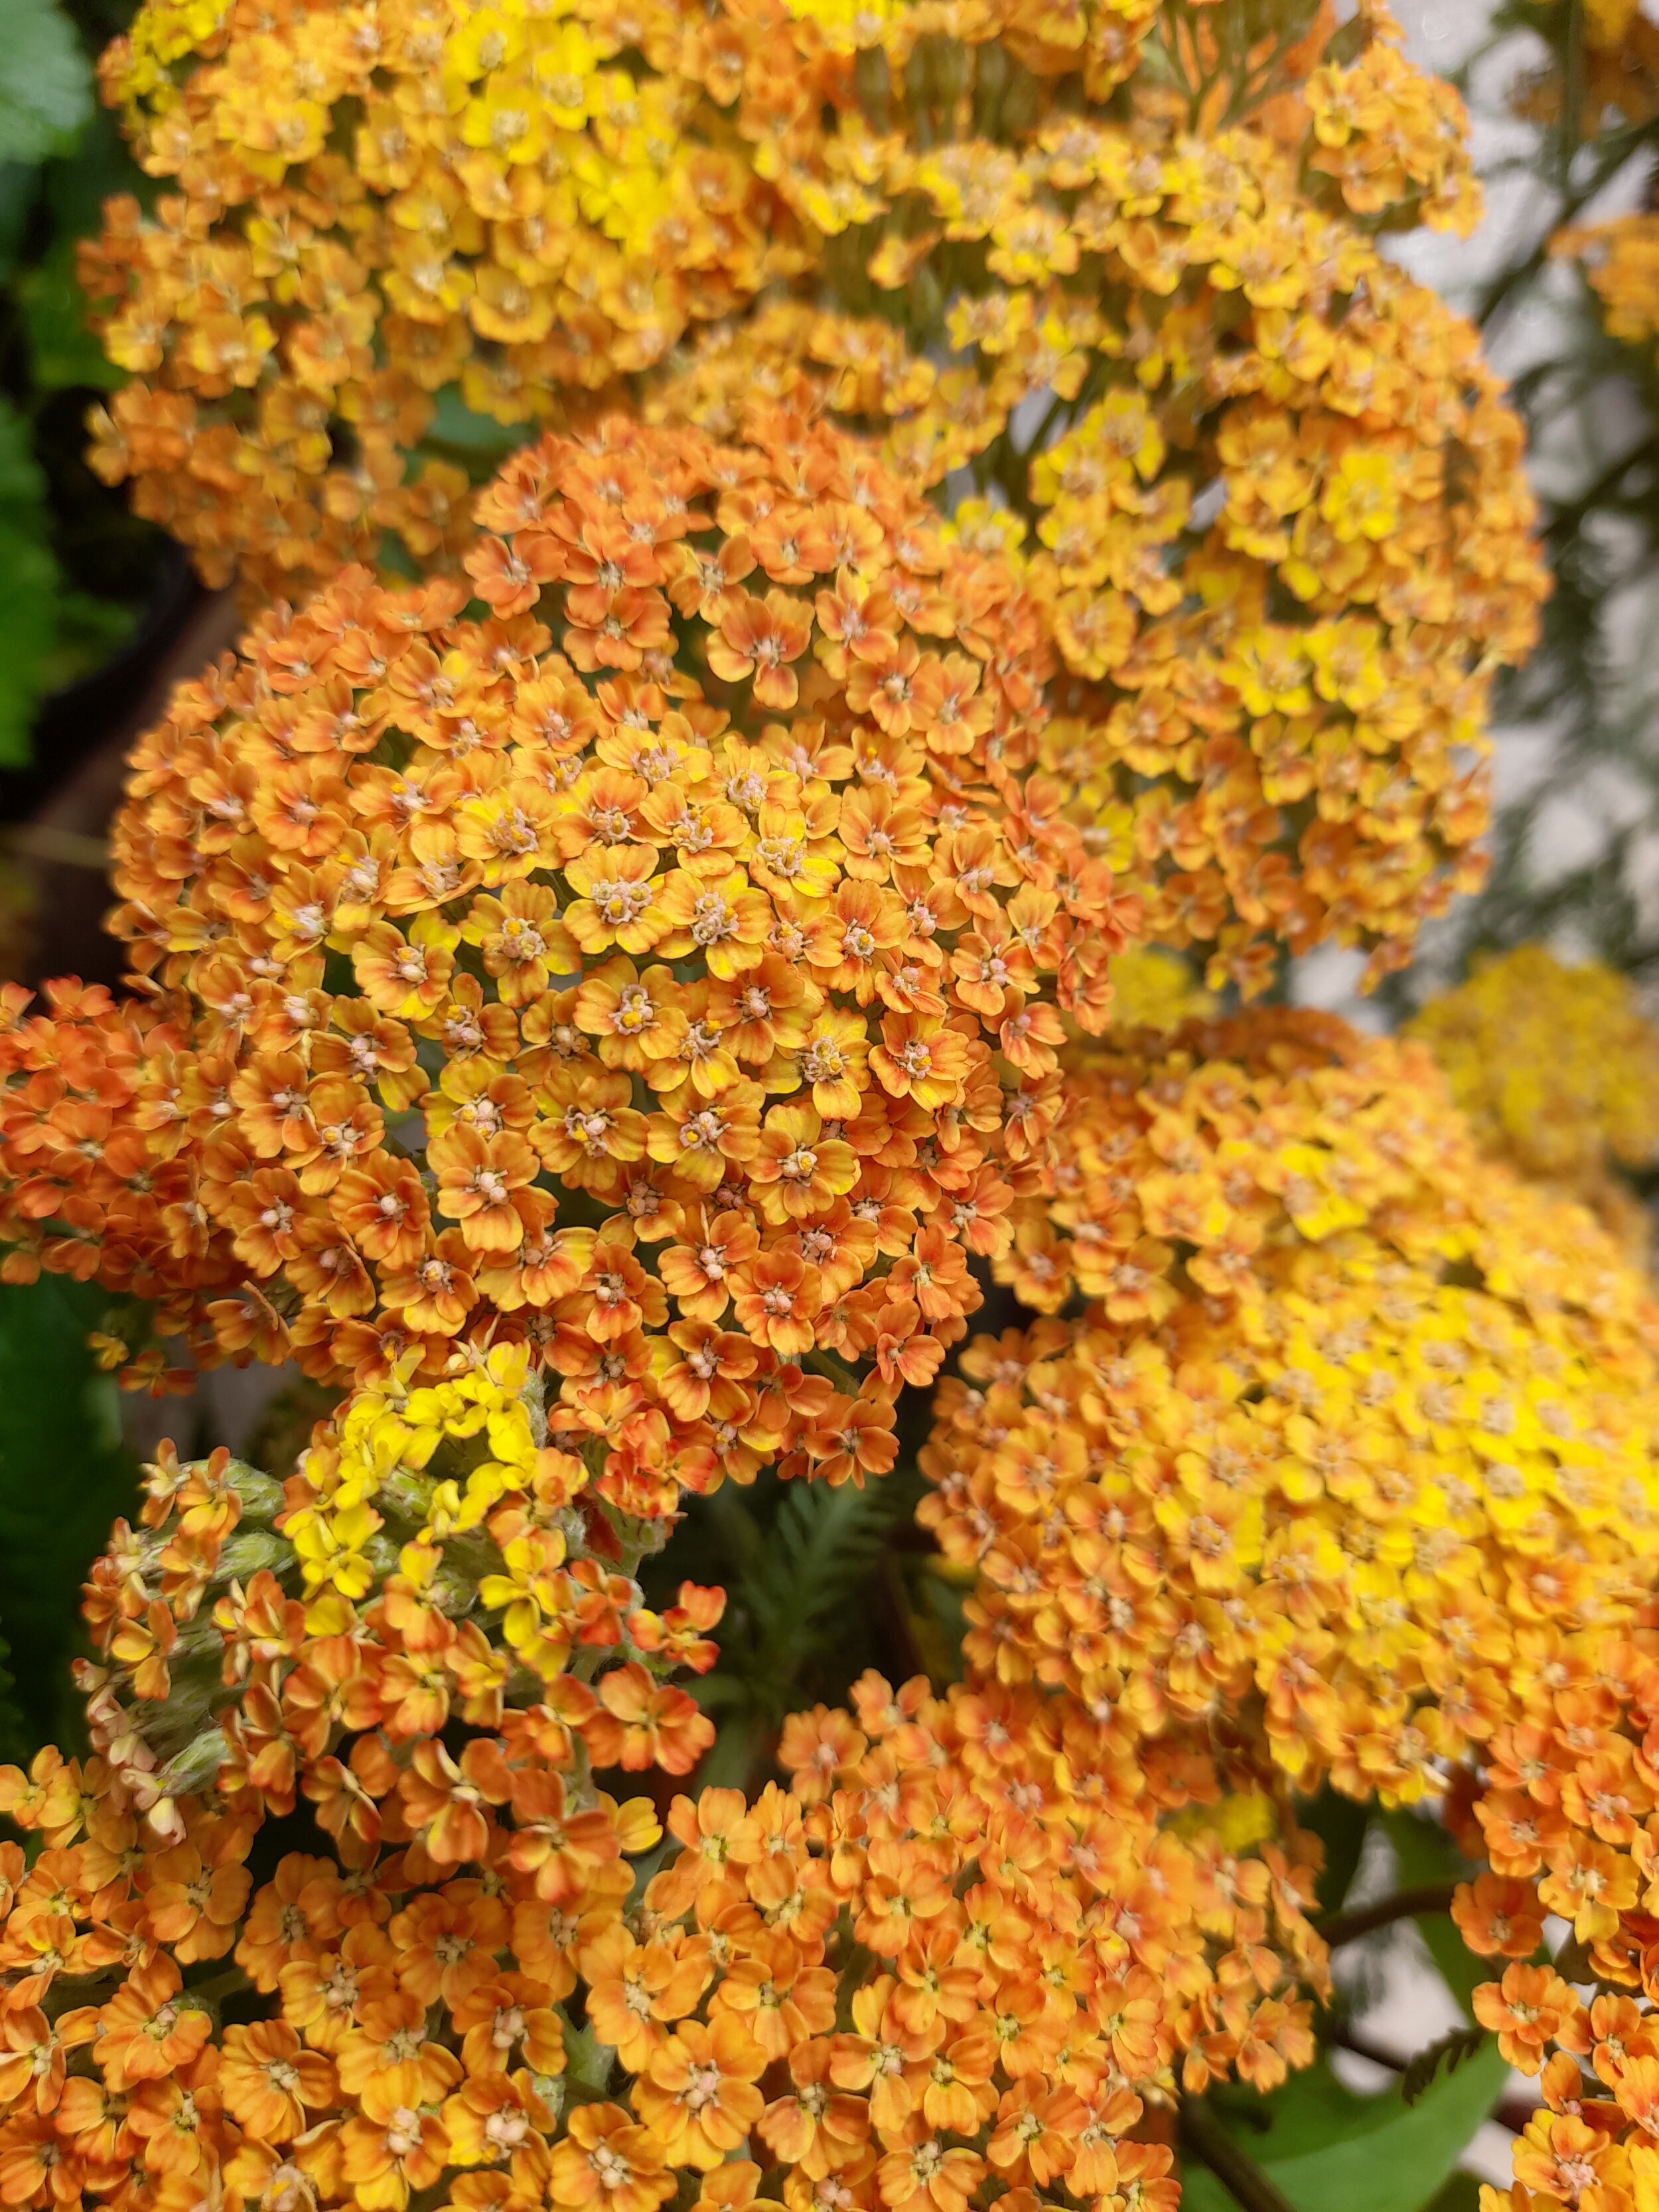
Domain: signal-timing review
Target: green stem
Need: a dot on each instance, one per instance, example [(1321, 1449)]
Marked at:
[(1338, 1928), (836, 1371), (1572, 91), (1616, 150), (1567, 518), (1203, 2135), (229, 1982)]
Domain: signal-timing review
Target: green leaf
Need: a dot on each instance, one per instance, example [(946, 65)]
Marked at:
[(46, 82), (88, 631), (1330, 2150), (28, 576), (477, 440), (1460, 2194), (1339, 1824), (16, 1745), (1424, 1853), (19, 183), (64, 354), (64, 1477), (792, 1576), (97, 165), (1451, 2051), (29, 584), (825, 1541)]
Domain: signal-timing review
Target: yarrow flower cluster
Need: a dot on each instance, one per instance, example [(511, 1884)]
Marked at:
[(1191, 1882), (393, 230), (662, 972), (1557, 1070), (1353, 1449), (1614, 70), (613, 960), (1619, 261), (1568, 1825), (430, 1567), (940, 1963), (1616, 74), (1156, 990), (74, 1155), (1280, 534), (1283, 535), (432, 1560)]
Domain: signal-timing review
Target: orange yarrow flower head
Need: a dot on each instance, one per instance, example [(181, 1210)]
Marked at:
[(895, 1988), (664, 973), (1190, 1884), (1615, 71), (1619, 261), (1563, 1810), (1355, 1441), (80, 1194)]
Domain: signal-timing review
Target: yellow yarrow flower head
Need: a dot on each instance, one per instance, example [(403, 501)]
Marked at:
[(1619, 260), (1356, 1434), (1557, 1070), (1156, 990)]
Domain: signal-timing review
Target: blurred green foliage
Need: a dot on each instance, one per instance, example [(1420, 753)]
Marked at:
[(75, 567), (65, 1476)]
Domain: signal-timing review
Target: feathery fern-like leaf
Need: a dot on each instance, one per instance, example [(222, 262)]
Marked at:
[(792, 1564), (824, 1543), (1448, 2055)]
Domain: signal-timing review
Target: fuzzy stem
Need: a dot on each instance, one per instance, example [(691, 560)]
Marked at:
[(834, 1370), (230, 1981), (1203, 2135), (1405, 1905)]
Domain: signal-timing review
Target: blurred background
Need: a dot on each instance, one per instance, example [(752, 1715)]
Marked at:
[(1577, 763)]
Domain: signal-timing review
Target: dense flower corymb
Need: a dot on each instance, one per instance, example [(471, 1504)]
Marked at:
[(889, 1988), (393, 233), (1281, 533), (1283, 530), (1567, 1823), (1620, 262), (1613, 67), (432, 1560), (1153, 989), (662, 972), (1354, 1447)]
